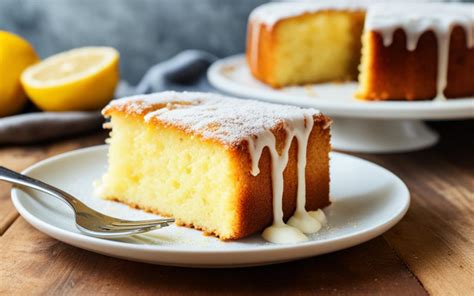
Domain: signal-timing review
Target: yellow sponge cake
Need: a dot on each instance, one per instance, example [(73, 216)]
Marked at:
[(226, 166), (300, 43)]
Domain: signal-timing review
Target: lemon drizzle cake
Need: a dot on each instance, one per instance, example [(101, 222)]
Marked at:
[(227, 166), (427, 49), (418, 51)]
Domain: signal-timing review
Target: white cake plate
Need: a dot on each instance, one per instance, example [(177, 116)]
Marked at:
[(359, 126), (366, 201)]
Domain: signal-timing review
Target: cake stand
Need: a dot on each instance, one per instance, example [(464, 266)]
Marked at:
[(359, 126)]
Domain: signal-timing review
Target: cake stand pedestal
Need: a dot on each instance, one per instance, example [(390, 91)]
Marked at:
[(381, 136), (358, 126)]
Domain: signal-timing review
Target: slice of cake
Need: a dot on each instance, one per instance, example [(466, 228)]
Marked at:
[(226, 166), (300, 43), (418, 52)]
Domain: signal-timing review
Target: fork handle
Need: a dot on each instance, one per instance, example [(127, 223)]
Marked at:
[(23, 180)]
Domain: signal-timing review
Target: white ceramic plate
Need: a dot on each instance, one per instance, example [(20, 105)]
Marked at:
[(367, 201), (231, 75)]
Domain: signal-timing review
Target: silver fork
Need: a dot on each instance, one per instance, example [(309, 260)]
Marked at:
[(88, 220)]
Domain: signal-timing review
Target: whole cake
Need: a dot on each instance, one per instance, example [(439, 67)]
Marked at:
[(409, 51), (226, 166)]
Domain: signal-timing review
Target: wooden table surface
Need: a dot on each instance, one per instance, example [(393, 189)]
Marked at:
[(431, 251)]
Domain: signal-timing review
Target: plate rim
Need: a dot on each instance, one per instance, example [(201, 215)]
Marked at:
[(55, 231), (429, 109)]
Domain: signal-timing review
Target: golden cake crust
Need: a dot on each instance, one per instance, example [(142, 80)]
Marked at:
[(254, 206), (260, 50), (253, 201), (395, 73)]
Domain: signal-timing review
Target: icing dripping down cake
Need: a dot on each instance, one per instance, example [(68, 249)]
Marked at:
[(418, 51), (226, 166), (409, 51)]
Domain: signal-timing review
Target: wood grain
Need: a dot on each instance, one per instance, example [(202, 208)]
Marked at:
[(430, 250), (436, 237), (43, 265), (20, 157)]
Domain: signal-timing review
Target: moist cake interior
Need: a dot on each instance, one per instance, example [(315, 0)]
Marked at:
[(217, 163)]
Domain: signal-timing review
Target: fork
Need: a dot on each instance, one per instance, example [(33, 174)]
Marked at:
[(87, 220)]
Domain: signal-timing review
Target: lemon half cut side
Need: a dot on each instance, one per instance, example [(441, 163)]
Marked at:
[(79, 79)]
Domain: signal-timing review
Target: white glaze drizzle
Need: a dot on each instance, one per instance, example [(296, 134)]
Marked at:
[(415, 19), (301, 219), (233, 120), (301, 222)]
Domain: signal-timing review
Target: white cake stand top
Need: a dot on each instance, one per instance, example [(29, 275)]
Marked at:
[(231, 75)]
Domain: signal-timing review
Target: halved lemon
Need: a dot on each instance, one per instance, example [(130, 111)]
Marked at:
[(80, 79)]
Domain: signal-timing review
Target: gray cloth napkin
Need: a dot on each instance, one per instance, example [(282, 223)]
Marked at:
[(185, 71)]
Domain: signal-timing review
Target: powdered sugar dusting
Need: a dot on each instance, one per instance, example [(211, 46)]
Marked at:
[(213, 116), (270, 13)]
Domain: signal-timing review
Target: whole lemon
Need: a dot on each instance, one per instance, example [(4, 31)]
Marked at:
[(15, 55)]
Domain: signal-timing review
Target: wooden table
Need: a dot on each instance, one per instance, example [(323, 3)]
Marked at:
[(430, 251)]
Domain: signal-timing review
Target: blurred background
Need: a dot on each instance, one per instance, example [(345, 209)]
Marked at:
[(144, 31)]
